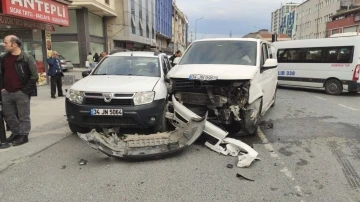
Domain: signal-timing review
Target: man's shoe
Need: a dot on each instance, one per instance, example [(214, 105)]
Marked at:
[(11, 138), (22, 139), (53, 96)]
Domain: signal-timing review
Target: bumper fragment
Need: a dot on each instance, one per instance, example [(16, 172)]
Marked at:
[(146, 146)]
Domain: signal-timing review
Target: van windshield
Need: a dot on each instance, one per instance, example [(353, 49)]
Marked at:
[(129, 65), (221, 52)]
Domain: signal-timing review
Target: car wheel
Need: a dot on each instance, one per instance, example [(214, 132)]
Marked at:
[(333, 87), (249, 124), (77, 129)]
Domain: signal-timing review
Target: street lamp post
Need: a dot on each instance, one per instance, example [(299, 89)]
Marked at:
[(196, 25)]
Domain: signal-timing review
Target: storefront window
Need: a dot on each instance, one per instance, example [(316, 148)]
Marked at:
[(96, 27), (72, 27), (68, 49)]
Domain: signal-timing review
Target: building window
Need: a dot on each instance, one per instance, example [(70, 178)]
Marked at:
[(140, 9), (147, 11), (147, 32), (153, 33), (133, 28), (141, 29), (107, 2), (132, 7)]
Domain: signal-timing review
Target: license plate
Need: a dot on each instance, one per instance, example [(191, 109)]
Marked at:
[(106, 112)]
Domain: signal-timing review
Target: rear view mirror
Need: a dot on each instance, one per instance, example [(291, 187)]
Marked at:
[(85, 73), (270, 63)]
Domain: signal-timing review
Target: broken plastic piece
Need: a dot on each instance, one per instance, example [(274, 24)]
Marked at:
[(246, 159), (83, 162), (145, 146), (242, 177)]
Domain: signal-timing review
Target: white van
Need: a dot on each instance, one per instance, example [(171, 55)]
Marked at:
[(330, 63), (126, 89), (233, 79)]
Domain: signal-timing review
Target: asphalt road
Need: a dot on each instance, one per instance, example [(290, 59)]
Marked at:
[(311, 154)]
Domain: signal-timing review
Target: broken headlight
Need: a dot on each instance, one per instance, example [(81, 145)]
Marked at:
[(76, 96), (141, 98)]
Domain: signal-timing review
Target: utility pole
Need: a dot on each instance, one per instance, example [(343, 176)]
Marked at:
[(196, 25)]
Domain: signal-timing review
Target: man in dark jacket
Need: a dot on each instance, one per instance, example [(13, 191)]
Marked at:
[(18, 79), (55, 72), (172, 58)]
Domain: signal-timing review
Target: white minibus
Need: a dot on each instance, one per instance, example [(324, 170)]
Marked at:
[(329, 63)]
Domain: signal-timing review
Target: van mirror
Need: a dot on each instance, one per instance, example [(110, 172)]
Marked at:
[(176, 60), (270, 63), (85, 73)]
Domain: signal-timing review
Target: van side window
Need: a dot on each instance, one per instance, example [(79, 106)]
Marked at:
[(341, 54), (264, 53), (270, 51), (165, 65)]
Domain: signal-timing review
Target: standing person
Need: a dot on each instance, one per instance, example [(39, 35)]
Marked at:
[(90, 59), (55, 72), (96, 59), (18, 79), (172, 58)]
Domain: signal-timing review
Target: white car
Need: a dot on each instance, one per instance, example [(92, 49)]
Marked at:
[(126, 90), (234, 80)]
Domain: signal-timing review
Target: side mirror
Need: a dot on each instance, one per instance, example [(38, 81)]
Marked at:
[(270, 63), (85, 73), (176, 60)]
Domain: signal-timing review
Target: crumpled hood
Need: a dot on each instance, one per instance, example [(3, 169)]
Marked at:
[(116, 83), (223, 72)]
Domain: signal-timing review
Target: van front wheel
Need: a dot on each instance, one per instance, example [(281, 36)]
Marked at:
[(333, 87)]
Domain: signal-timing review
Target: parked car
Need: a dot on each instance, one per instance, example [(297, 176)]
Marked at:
[(65, 64), (126, 90)]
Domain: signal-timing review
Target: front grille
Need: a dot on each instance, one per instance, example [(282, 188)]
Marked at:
[(98, 101), (129, 121), (190, 85)]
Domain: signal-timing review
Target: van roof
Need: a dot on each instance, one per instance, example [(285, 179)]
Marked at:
[(229, 39), (137, 53)]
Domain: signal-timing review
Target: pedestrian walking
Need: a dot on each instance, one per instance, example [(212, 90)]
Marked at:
[(96, 59), (18, 79), (90, 60), (56, 73)]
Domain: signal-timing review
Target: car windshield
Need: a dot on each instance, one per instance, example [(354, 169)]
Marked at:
[(129, 65), (221, 52)]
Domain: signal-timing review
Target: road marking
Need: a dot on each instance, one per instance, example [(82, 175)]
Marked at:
[(347, 107), (320, 98), (274, 155)]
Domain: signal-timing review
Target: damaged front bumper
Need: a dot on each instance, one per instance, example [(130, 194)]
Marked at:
[(146, 146)]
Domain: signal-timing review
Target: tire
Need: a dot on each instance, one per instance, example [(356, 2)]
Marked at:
[(77, 129), (250, 128), (333, 87)]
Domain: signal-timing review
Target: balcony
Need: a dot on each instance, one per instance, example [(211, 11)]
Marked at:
[(98, 7), (344, 22)]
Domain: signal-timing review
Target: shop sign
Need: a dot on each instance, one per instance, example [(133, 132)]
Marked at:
[(40, 10), (4, 20)]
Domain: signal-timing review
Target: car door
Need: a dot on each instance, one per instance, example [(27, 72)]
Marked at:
[(266, 76)]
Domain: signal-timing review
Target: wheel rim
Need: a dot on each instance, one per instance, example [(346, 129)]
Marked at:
[(333, 87)]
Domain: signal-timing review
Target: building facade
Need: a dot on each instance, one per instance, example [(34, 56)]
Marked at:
[(179, 29), (287, 24), (86, 32), (134, 26), (163, 24), (279, 16), (346, 20), (312, 16), (33, 22)]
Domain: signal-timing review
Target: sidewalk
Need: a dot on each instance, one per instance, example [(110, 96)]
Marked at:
[(48, 126)]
